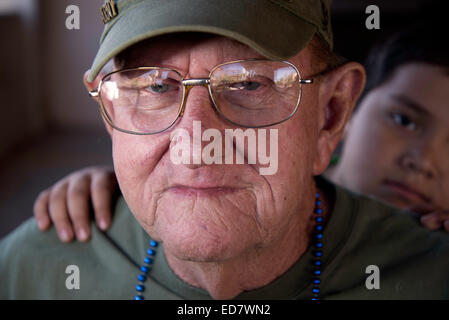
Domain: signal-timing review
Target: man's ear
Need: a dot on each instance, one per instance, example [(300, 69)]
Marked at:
[(90, 86), (338, 94)]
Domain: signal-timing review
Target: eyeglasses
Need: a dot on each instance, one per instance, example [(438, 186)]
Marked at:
[(246, 93)]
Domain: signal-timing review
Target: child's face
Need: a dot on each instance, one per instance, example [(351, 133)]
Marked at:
[(397, 143)]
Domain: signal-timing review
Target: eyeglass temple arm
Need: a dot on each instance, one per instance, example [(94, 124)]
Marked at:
[(322, 73), (312, 77)]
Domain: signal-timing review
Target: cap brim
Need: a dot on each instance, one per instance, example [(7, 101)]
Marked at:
[(266, 27)]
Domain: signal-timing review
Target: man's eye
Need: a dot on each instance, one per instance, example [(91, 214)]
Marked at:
[(404, 121), (245, 85), (158, 88)]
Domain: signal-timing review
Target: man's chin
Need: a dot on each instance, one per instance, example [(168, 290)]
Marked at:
[(212, 207), (194, 238), (202, 249), (207, 228)]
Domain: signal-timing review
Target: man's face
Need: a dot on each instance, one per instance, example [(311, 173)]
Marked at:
[(214, 212), (397, 145)]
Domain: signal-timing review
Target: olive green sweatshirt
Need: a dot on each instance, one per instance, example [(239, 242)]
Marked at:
[(371, 251)]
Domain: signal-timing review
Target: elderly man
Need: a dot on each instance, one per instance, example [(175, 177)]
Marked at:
[(221, 228)]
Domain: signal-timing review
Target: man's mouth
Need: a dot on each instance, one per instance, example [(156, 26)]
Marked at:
[(183, 190), (415, 197)]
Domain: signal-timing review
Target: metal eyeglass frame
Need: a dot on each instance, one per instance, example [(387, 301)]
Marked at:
[(187, 84)]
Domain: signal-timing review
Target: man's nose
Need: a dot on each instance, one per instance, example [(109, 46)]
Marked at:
[(198, 106), (199, 114), (421, 158)]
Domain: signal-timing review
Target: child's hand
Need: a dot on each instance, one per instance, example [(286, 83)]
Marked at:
[(436, 220), (67, 203)]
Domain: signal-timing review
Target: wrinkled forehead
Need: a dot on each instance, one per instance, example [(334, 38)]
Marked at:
[(181, 48)]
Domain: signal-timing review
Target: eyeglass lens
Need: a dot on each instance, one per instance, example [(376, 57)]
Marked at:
[(247, 93)]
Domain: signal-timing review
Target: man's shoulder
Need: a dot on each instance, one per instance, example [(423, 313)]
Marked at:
[(35, 264), (28, 240), (364, 219), (385, 223), (411, 261)]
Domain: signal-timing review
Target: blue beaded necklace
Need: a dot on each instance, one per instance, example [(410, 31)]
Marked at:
[(145, 269), (318, 244), (317, 263)]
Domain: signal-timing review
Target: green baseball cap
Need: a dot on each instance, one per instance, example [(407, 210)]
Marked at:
[(278, 29)]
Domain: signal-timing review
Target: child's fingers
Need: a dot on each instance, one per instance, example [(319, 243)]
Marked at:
[(78, 195), (40, 210), (435, 220), (103, 185), (58, 211), (444, 217), (423, 209)]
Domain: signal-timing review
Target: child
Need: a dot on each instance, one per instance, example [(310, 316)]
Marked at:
[(396, 146)]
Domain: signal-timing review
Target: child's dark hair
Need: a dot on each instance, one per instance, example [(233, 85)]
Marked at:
[(424, 42)]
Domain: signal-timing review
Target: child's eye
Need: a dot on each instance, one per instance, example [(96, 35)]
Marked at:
[(404, 121)]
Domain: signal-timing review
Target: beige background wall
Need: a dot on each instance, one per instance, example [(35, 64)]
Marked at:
[(49, 126), (66, 55), (41, 69)]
